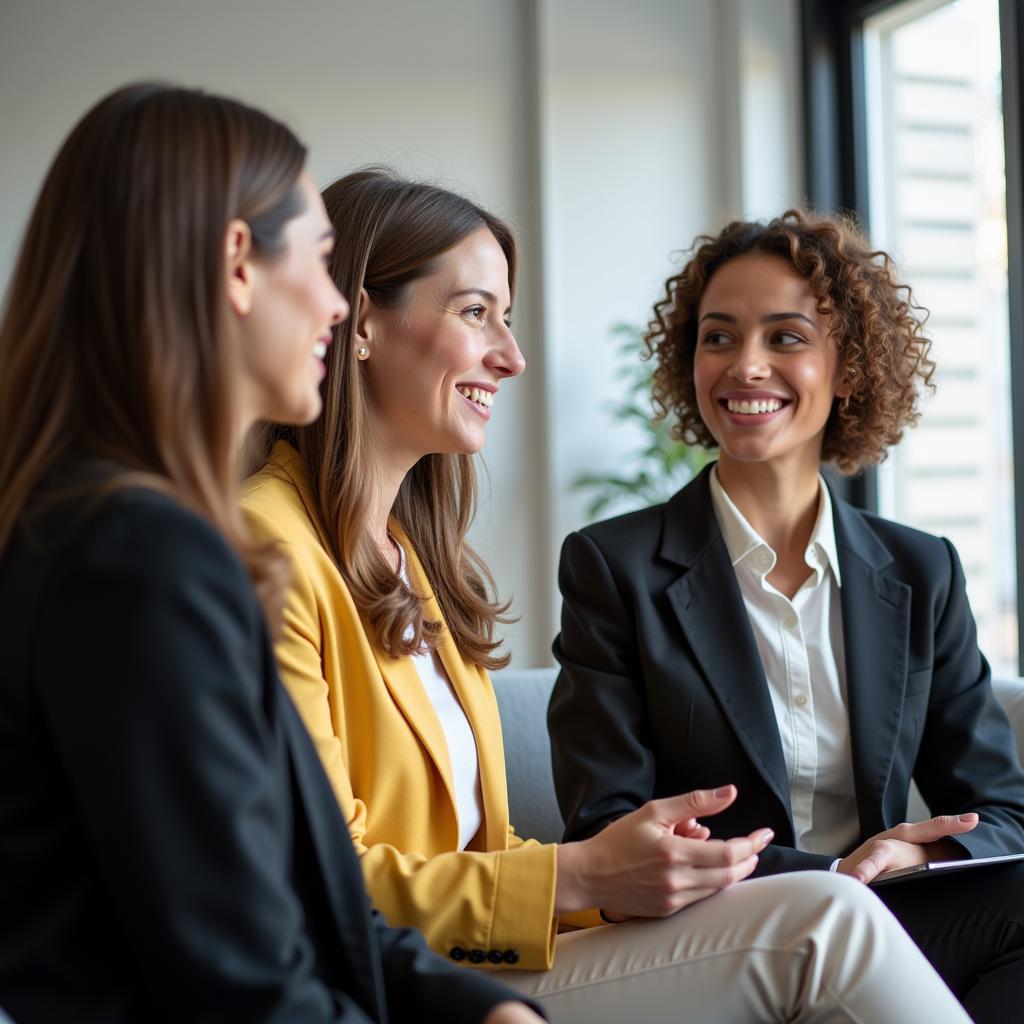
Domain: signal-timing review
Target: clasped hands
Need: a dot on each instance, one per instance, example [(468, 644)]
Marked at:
[(660, 858)]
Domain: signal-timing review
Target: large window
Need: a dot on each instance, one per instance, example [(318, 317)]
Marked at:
[(912, 99), (936, 188)]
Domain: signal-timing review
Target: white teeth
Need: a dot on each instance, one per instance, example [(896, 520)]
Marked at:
[(320, 349), (478, 395), (754, 408)]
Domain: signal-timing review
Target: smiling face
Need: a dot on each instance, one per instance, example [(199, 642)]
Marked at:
[(291, 304), (766, 368), (436, 362)]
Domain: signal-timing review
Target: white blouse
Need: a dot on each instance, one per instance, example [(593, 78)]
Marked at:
[(802, 650), (458, 733)]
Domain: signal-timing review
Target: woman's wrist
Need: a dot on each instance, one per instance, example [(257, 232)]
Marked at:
[(570, 887)]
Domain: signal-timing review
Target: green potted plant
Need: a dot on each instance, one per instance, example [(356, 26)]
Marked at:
[(662, 464)]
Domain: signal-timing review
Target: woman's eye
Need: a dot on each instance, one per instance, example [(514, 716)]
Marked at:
[(786, 339), (475, 312), (714, 339)]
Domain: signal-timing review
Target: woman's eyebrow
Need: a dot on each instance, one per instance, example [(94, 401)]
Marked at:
[(771, 318)]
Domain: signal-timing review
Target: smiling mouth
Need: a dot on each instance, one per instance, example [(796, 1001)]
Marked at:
[(478, 396), (753, 407)]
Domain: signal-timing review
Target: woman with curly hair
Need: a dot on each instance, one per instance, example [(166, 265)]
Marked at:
[(759, 631)]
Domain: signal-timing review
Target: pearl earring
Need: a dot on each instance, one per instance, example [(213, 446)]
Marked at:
[(362, 353)]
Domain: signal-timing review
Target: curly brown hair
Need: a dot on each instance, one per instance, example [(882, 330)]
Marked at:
[(874, 321)]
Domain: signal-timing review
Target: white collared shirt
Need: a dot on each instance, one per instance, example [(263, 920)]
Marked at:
[(802, 652)]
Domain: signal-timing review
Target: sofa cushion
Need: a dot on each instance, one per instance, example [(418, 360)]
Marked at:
[(523, 696), (523, 703)]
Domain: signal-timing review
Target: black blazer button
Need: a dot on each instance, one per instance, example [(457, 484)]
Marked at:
[(510, 956), (477, 956), (457, 953), (495, 956)]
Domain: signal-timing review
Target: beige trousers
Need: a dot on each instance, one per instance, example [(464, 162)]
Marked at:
[(806, 946)]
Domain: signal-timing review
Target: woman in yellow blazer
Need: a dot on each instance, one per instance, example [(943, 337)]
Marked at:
[(388, 637), (386, 755)]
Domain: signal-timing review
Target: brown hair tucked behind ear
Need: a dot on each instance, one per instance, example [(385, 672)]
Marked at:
[(389, 233), (875, 324), (112, 342)]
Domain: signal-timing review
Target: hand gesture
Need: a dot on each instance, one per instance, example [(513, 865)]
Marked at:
[(906, 845), (656, 860)]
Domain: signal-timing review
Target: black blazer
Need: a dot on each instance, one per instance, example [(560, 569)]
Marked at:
[(170, 848), (662, 690)]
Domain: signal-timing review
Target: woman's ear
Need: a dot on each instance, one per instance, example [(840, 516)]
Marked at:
[(844, 387), (238, 266), (367, 317)]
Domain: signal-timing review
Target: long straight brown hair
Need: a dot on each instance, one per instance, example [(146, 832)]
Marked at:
[(389, 233), (113, 341)]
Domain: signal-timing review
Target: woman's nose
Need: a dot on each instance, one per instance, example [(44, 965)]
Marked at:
[(340, 308), (504, 358), (750, 362)]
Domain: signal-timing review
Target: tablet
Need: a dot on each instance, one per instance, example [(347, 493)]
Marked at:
[(940, 867)]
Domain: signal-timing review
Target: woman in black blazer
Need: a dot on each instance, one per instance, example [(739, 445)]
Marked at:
[(756, 630), (171, 849)]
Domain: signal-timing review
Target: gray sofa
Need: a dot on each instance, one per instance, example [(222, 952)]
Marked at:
[(523, 702)]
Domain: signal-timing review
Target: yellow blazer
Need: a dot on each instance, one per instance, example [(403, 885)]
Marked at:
[(387, 758)]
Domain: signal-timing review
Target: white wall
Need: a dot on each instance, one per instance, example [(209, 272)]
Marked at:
[(609, 133)]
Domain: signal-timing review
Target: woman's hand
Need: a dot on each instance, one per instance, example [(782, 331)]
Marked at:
[(512, 1013), (907, 845), (656, 860)]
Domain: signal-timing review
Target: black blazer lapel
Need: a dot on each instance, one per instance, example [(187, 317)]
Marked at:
[(707, 601), (876, 617)]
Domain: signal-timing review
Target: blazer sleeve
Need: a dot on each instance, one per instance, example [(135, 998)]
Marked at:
[(500, 900), (147, 680), (968, 759), (422, 986), (603, 765)]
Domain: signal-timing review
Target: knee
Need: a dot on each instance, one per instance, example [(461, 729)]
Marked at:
[(840, 899)]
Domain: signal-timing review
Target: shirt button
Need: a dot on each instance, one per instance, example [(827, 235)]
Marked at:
[(799, 700), (477, 956), (790, 622), (511, 956), (494, 956), (457, 953)]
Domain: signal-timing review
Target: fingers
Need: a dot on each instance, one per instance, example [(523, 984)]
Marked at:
[(724, 852), (696, 804), (696, 831), (691, 829), (936, 828), (720, 878), (879, 860), (693, 883)]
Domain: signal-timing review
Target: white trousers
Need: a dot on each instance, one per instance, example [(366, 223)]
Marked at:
[(806, 946)]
